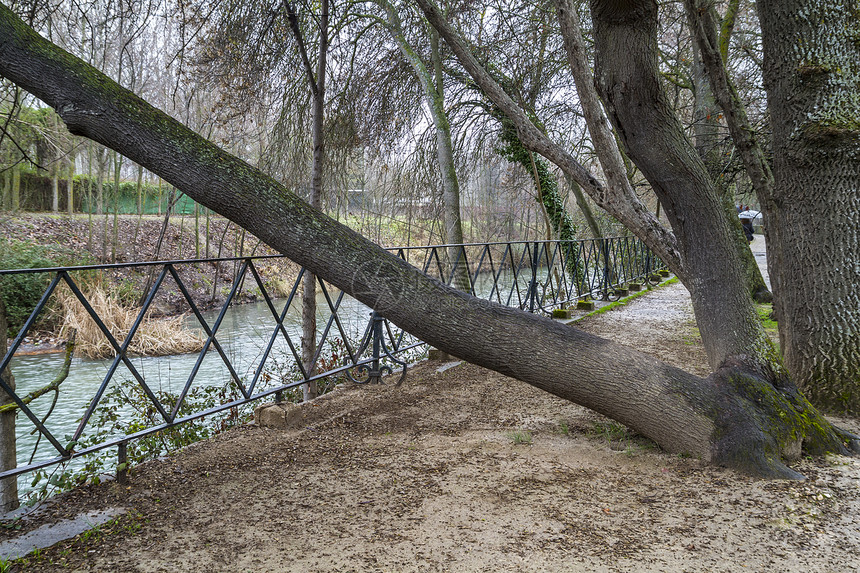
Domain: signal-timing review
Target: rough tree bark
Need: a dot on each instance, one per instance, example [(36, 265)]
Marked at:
[(812, 77), (810, 206), (732, 418)]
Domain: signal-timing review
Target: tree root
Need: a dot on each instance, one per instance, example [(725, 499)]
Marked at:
[(764, 423)]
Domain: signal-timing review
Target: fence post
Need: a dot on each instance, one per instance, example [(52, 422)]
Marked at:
[(8, 452), (122, 463), (533, 285), (376, 328)]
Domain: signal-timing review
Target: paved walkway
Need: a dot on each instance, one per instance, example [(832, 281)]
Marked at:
[(759, 250)]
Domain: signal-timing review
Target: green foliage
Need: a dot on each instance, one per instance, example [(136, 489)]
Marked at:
[(126, 409), (21, 292), (153, 199), (513, 150)]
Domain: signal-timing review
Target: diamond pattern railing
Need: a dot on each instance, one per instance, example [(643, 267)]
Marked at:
[(533, 276)]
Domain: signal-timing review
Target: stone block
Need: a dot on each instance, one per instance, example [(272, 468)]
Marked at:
[(634, 287), (438, 355), (585, 305), (282, 416), (561, 313)]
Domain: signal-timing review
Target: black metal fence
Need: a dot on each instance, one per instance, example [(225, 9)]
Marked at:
[(353, 342)]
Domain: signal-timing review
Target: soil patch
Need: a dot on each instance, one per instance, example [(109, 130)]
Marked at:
[(466, 470)]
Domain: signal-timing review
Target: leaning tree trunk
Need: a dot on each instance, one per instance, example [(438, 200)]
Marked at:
[(812, 76), (732, 418), (706, 139)]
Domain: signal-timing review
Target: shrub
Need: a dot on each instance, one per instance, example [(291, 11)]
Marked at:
[(21, 292)]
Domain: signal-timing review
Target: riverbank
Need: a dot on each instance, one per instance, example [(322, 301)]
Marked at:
[(80, 239), (462, 469)]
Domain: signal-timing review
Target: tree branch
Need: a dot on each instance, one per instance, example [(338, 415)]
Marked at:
[(626, 208), (54, 385)]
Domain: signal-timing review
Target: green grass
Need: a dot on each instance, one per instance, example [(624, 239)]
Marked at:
[(764, 312), (611, 431), (521, 437)]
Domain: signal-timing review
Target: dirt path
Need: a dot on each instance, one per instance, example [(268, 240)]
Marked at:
[(431, 477)]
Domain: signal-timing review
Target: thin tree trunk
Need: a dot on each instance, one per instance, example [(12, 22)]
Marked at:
[(55, 190), (100, 200), (117, 158), (706, 130), (90, 147), (585, 208), (16, 188), (7, 191), (139, 209), (317, 83), (164, 225), (431, 84), (70, 188)]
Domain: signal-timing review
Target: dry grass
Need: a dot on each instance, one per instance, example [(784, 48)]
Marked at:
[(154, 337), (279, 287)]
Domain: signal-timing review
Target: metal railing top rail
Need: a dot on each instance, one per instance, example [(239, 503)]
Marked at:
[(531, 275), (517, 242)]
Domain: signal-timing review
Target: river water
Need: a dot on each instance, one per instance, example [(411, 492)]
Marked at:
[(244, 334)]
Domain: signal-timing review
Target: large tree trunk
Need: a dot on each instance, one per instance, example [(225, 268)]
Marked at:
[(812, 76), (627, 75), (731, 418)]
